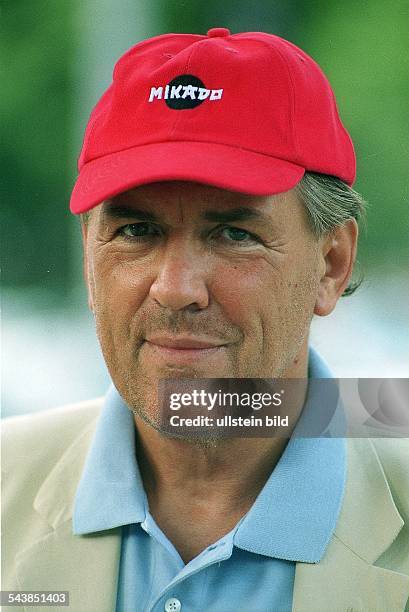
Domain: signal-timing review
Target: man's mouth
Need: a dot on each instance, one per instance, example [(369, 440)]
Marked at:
[(182, 349)]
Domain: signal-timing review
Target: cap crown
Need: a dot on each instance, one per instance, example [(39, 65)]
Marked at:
[(252, 91)]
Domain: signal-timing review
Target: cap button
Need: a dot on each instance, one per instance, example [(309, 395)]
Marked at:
[(216, 32)]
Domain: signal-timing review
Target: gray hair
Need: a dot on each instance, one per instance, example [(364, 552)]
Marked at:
[(329, 202)]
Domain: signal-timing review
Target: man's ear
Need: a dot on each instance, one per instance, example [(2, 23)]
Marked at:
[(338, 253), (86, 264)]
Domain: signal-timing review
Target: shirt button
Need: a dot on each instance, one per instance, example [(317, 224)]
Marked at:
[(173, 605), (215, 32)]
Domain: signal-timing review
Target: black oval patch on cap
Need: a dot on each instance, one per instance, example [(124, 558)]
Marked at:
[(185, 91)]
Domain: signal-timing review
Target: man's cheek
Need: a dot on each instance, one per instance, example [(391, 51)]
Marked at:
[(235, 285)]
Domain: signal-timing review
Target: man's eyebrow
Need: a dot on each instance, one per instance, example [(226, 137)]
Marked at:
[(116, 211), (236, 214)]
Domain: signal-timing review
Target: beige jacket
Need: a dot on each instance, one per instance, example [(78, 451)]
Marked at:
[(365, 567)]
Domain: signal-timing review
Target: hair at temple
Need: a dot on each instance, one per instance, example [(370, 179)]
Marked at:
[(330, 203)]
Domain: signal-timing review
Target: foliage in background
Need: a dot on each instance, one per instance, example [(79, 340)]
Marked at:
[(35, 105), (361, 46), (364, 47)]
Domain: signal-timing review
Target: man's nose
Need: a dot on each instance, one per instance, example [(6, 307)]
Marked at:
[(181, 278)]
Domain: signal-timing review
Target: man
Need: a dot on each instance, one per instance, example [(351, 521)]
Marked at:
[(218, 217)]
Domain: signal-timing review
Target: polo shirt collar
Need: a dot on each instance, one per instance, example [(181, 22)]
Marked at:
[(296, 512), (292, 518), (110, 492)]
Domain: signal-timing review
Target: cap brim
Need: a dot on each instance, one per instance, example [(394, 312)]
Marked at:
[(219, 165)]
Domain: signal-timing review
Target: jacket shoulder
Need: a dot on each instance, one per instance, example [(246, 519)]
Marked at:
[(25, 438)]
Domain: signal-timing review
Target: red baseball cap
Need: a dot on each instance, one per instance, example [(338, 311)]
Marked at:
[(247, 112)]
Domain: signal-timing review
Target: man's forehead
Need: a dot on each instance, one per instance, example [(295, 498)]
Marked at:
[(204, 200)]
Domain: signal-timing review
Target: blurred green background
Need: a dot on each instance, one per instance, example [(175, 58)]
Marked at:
[(57, 60)]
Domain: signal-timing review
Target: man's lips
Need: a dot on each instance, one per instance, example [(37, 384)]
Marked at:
[(183, 342), (182, 348)]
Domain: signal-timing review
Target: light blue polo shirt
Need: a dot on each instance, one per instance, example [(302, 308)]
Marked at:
[(251, 568)]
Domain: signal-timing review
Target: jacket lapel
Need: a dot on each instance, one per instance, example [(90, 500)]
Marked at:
[(86, 566), (346, 579)]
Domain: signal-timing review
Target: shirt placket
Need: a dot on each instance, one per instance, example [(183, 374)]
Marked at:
[(171, 599)]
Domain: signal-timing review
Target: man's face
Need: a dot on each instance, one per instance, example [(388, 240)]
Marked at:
[(187, 280)]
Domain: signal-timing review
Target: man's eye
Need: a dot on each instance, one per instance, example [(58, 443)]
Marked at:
[(138, 230), (236, 234)]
